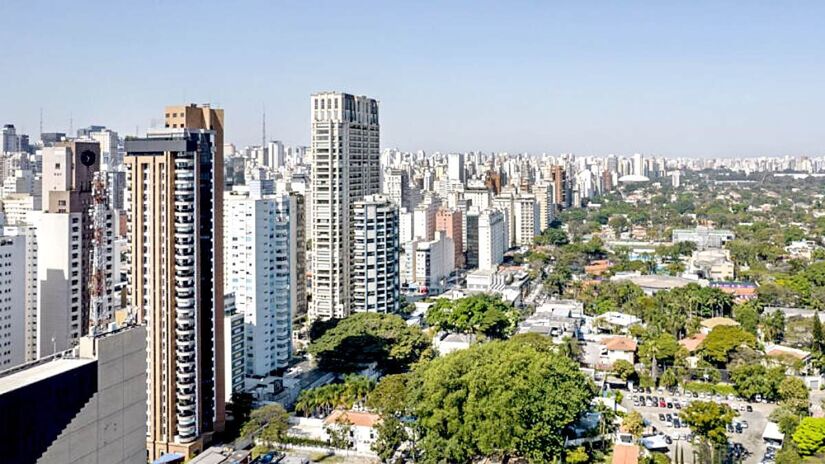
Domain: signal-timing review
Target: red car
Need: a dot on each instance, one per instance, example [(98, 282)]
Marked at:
[(662, 403)]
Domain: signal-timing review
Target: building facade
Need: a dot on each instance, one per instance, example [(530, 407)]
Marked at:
[(345, 169), (261, 243), (64, 237), (376, 278), (176, 282), (80, 406)]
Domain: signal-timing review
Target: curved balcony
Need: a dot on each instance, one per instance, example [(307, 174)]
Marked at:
[(184, 217), (186, 345), (184, 281), (185, 332), (181, 228)]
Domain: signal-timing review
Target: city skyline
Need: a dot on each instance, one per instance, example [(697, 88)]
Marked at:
[(703, 79)]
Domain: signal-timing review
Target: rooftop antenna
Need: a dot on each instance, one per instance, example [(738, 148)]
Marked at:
[(41, 120), (71, 123), (263, 126)]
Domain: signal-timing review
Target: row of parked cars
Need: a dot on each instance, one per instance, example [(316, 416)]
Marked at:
[(652, 401)]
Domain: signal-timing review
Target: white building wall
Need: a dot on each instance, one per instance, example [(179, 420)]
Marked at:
[(491, 239), (59, 269), (258, 236), (12, 301)]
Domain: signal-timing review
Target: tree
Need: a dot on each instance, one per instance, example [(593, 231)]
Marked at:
[(747, 316), (481, 314), (552, 236), (624, 370), (503, 398), (709, 420), (794, 394), (577, 456), (655, 458), (773, 326), (268, 423), (810, 436), (391, 435), (388, 397), (241, 406), (750, 380), (365, 338), (668, 378), (818, 341), (633, 424), (724, 339), (619, 224)]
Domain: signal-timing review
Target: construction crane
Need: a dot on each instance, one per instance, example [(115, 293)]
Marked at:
[(100, 313)]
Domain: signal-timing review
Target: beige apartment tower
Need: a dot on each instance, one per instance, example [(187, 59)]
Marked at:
[(175, 178), (345, 169)]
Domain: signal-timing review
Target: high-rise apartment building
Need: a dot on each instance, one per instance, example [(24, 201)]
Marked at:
[(345, 169), (261, 242), (13, 301), (450, 222), (9, 141), (455, 167), (472, 244), (176, 283), (526, 214), (424, 220), (560, 185), (397, 188), (28, 233), (64, 237), (547, 206), (375, 279), (491, 239)]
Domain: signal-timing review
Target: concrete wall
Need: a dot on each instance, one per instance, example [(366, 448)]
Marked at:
[(111, 427)]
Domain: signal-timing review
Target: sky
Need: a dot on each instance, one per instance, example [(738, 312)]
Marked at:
[(694, 78)]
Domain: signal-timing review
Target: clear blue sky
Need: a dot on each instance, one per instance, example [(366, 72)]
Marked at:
[(676, 78)]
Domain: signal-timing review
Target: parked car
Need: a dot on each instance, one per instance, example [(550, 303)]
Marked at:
[(749, 408)]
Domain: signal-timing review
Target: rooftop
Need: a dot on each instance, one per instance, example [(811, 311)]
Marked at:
[(625, 454), (619, 343), (362, 419), (714, 322), (692, 343), (19, 378)]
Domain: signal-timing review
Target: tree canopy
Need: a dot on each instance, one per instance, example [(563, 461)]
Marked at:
[(511, 397), (364, 338), (481, 314), (269, 423), (709, 420), (722, 340), (810, 436)]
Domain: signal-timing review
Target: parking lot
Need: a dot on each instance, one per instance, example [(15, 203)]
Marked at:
[(752, 419)]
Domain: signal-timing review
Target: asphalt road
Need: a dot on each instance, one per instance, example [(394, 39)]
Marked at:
[(750, 438)]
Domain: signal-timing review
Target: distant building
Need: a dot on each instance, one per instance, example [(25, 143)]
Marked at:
[(703, 237)]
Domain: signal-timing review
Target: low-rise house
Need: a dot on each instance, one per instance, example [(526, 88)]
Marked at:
[(617, 348), (615, 321), (598, 267), (361, 426), (692, 345), (651, 284), (709, 324), (741, 291), (797, 362), (446, 343), (801, 249), (557, 319), (714, 264)]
